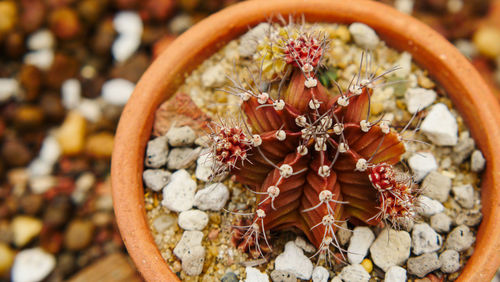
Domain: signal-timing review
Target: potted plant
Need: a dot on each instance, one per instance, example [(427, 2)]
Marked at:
[(467, 90)]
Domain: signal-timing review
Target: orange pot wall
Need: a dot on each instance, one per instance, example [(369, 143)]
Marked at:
[(465, 87)]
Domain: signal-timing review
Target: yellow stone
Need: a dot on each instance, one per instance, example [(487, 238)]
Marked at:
[(343, 33), (376, 108), (367, 265), (71, 134), (100, 145), (487, 41), (24, 229), (6, 258), (8, 16)]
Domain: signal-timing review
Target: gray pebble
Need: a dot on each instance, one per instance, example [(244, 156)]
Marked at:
[(181, 136), (441, 222), (425, 239), (424, 264), (437, 186), (180, 158), (192, 262), (464, 195), (320, 274), (395, 274), (189, 240), (163, 222), (361, 240), (459, 239), (344, 234), (390, 248), (364, 36), (428, 207), (354, 273), (468, 217), (193, 220), (156, 152), (229, 277), (283, 276), (464, 148), (477, 161), (213, 197), (156, 179), (179, 193), (450, 261)]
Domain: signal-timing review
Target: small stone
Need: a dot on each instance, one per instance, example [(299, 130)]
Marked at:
[(395, 274), (164, 222), (9, 87), (304, 245), (180, 23), (156, 179), (421, 164), (117, 91), (464, 195), (294, 261), (100, 145), (41, 39), (156, 152), (90, 110), (344, 234), (282, 276), (125, 46), (418, 99), (41, 59), (128, 22), (181, 136), (436, 186), (214, 76), (450, 261), (204, 165), (364, 36), (424, 264), (178, 195), (477, 161), (32, 265), (404, 64), (212, 197), (441, 222), (41, 184), (354, 273), (189, 240), (180, 158), (71, 134), (361, 240), (71, 93), (31, 204), (320, 274), (459, 239), (487, 40), (229, 277), (254, 275), (367, 265), (39, 168), (6, 258), (425, 239), (250, 40), (468, 217), (463, 149), (83, 184), (193, 260), (24, 229), (440, 126), (404, 6), (78, 235), (390, 248), (193, 220), (428, 207), (50, 150)]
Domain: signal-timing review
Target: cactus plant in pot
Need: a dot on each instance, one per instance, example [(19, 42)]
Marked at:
[(468, 92)]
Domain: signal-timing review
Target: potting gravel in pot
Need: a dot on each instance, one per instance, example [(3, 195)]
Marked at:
[(309, 140)]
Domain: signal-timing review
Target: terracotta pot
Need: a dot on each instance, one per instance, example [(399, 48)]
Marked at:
[(466, 88)]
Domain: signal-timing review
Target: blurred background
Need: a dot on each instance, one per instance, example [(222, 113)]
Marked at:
[(67, 67)]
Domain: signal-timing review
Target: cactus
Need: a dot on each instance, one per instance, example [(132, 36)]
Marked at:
[(311, 156)]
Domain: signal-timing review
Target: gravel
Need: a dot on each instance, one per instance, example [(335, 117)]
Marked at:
[(193, 220), (441, 222), (395, 274), (429, 207), (178, 195), (459, 239), (436, 186), (361, 240), (192, 260), (254, 275), (364, 36), (189, 241), (354, 273), (418, 99), (421, 164), (450, 261), (477, 161), (440, 126), (157, 152), (390, 248), (181, 136), (425, 239), (320, 274), (424, 264), (464, 195), (156, 179), (213, 197), (294, 261)]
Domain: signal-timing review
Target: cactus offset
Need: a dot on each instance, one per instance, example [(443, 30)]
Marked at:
[(312, 157)]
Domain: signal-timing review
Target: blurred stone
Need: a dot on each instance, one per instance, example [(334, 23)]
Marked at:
[(8, 14), (63, 68), (52, 107), (91, 10), (32, 265), (9, 87), (42, 58), (487, 40), (14, 44), (132, 69), (28, 117), (41, 39), (71, 93), (31, 204), (32, 15), (51, 240), (78, 235), (71, 134), (100, 145), (15, 153), (103, 38), (6, 258), (180, 23), (30, 78), (25, 228), (41, 184), (117, 91), (65, 24), (58, 211), (158, 10)]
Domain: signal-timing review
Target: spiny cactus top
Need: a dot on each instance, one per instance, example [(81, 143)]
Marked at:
[(310, 154)]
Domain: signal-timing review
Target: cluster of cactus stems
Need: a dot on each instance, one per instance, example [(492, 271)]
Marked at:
[(311, 154)]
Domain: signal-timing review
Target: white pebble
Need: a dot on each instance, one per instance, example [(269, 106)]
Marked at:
[(178, 195), (320, 274), (125, 46), (164, 222), (428, 207), (354, 273), (90, 110), (404, 6), (50, 150), (32, 265), (361, 240), (9, 87), (364, 36), (425, 239), (213, 197), (189, 240), (441, 222), (204, 165), (156, 179), (128, 22), (459, 239), (214, 76), (464, 195), (254, 275), (41, 39), (418, 99), (180, 23), (42, 184), (181, 136), (42, 58), (436, 186), (156, 152), (193, 260), (179, 158), (395, 274), (249, 41), (39, 167), (294, 261), (404, 64), (477, 161), (440, 126), (71, 93), (193, 220), (424, 264), (421, 164), (390, 248), (304, 245), (117, 91), (450, 261)]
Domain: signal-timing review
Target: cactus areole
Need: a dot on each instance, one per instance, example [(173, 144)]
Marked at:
[(312, 156)]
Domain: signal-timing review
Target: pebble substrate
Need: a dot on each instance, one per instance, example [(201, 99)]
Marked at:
[(447, 169)]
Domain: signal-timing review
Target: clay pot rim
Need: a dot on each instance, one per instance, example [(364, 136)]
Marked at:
[(468, 91)]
